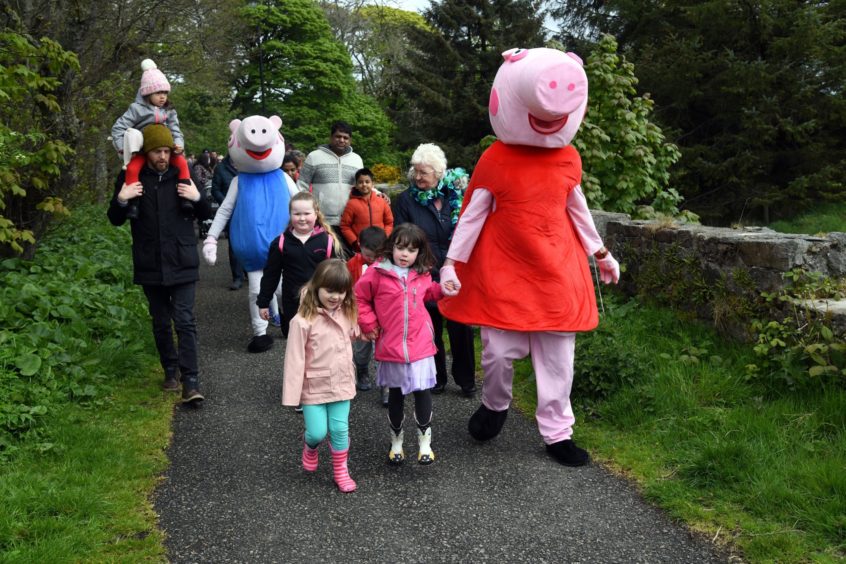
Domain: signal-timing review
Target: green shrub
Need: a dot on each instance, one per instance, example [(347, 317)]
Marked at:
[(72, 322)]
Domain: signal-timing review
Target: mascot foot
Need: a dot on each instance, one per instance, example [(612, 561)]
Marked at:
[(486, 423), (568, 454), (260, 343)]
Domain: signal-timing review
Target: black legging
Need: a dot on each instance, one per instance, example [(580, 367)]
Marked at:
[(422, 408)]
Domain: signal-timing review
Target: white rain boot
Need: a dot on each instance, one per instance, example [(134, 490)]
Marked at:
[(396, 455), (425, 455)]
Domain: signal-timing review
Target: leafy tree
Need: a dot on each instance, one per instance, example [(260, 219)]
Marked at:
[(751, 91), (376, 37), (626, 159), (109, 40), (446, 80), (31, 152), (308, 79)]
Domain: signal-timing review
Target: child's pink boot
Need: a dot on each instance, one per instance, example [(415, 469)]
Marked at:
[(309, 458), (342, 474)]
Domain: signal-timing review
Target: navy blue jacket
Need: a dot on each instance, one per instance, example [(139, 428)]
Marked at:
[(436, 224)]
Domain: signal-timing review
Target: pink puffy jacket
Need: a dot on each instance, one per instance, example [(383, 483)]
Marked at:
[(397, 306)]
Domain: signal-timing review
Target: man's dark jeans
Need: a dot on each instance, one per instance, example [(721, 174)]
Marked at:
[(172, 307)]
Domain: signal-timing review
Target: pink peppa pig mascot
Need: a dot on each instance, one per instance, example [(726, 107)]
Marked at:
[(517, 265), (256, 206)]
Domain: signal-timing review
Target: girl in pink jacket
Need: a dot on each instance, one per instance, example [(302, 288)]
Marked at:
[(391, 299), (319, 369)]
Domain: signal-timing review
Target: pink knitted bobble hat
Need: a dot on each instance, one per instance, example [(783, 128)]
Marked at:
[(153, 80)]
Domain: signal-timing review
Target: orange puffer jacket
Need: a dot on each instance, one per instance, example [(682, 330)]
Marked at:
[(362, 212)]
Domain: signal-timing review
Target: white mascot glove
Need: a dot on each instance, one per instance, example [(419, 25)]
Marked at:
[(448, 276), (609, 269), (210, 250)]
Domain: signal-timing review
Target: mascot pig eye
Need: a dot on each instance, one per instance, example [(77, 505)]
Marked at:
[(252, 131), (264, 131), (514, 55)]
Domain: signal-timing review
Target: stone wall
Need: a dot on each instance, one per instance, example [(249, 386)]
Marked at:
[(759, 254)]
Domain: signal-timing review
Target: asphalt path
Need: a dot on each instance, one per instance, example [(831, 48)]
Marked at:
[(235, 490)]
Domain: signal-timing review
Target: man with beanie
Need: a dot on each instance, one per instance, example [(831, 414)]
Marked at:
[(164, 256)]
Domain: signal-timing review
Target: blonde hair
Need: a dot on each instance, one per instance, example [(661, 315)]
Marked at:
[(333, 275), (431, 155), (321, 220)]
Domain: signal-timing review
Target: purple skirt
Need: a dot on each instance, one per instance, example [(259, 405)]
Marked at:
[(419, 375)]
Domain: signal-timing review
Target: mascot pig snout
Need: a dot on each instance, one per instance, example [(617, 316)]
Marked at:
[(539, 97), (256, 145)]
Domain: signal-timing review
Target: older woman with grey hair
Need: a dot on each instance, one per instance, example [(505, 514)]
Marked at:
[(432, 202)]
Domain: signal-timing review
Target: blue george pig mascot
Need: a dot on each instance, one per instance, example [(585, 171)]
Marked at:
[(256, 207)]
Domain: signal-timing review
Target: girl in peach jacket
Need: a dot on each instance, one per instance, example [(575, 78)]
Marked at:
[(319, 369)]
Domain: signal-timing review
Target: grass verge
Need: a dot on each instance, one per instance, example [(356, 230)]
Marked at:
[(87, 499), (824, 219), (754, 466)]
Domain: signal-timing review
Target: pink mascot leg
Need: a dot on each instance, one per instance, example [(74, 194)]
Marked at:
[(500, 350), (552, 359)]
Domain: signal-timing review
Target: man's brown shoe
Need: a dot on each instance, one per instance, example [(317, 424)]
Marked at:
[(171, 385), (190, 395)]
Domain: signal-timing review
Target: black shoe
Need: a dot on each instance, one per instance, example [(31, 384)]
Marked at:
[(132, 210), (362, 385), (469, 391), (260, 343), (568, 454), (236, 284), (439, 389), (486, 423), (191, 395)]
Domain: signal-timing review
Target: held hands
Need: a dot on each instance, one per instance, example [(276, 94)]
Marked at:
[(129, 191), (449, 281), (177, 149), (188, 191), (609, 269), (264, 312), (372, 335), (210, 252)]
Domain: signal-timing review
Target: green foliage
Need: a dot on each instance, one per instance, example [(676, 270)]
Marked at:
[(204, 117), (387, 174), (752, 92), (31, 154), (308, 80), (444, 83), (626, 158), (607, 361), (820, 219), (72, 322), (799, 349)]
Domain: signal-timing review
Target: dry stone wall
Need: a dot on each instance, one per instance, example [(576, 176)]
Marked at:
[(725, 255)]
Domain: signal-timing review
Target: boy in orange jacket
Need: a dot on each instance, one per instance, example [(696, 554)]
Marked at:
[(363, 210)]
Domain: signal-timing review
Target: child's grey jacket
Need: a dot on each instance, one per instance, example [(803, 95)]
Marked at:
[(141, 114)]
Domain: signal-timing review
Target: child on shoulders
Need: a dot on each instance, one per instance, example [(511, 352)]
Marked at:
[(151, 106)]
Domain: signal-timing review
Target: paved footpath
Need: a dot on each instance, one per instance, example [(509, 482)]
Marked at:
[(235, 490)]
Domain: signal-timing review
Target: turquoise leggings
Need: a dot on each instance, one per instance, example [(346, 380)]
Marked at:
[(333, 418)]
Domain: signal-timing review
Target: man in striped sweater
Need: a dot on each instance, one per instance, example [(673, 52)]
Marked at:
[(329, 172)]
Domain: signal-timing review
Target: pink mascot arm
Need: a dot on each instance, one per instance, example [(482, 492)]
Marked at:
[(577, 208), (464, 239)]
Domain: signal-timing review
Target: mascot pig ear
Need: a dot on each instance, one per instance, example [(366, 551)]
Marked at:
[(276, 121), (576, 58), (233, 125), (514, 55)]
